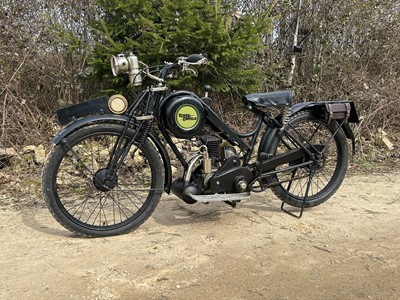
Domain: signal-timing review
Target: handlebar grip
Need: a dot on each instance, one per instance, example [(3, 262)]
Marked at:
[(174, 66), (194, 58)]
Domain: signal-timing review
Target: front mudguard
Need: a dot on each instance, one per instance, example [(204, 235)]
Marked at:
[(108, 118), (319, 111)]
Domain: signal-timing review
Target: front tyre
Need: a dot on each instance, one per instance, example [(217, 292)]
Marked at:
[(84, 199), (330, 171)]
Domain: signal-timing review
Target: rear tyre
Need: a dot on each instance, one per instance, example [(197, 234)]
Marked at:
[(81, 195), (328, 173)]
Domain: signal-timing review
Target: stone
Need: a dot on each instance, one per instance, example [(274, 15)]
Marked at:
[(29, 149), (40, 155), (382, 136)]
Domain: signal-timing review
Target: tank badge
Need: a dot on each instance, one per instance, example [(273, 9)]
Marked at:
[(187, 117)]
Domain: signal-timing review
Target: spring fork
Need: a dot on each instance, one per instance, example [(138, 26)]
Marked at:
[(144, 131), (121, 149), (139, 138)]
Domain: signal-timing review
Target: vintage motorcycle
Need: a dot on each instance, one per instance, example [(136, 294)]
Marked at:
[(110, 165)]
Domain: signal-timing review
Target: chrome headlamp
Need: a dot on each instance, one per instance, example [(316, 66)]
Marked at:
[(127, 65)]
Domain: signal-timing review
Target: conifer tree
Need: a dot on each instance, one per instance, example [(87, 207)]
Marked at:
[(161, 30)]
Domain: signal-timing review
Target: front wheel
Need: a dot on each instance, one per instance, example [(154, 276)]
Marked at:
[(328, 172), (85, 197)]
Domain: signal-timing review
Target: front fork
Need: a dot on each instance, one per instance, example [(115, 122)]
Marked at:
[(122, 145)]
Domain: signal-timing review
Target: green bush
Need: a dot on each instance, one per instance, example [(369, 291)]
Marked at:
[(159, 31)]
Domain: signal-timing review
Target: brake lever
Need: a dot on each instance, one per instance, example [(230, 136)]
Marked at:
[(186, 68)]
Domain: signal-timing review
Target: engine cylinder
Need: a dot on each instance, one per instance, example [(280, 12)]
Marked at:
[(212, 143)]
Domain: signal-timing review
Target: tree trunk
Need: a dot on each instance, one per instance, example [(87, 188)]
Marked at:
[(293, 58)]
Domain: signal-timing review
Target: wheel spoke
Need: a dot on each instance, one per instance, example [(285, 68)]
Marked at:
[(318, 136), (86, 198), (129, 198)]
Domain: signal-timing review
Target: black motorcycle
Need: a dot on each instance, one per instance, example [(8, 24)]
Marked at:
[(111, 164)]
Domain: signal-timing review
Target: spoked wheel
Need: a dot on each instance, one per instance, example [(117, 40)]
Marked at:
[(327, 172), (86, 197)]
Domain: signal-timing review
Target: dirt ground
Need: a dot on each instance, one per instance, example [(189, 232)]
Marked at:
[(347, 248)]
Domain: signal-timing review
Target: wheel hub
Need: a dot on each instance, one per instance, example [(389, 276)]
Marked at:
[(103, 181)]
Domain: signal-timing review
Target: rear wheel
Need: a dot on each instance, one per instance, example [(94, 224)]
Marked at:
[(86, 198), (328, 172)]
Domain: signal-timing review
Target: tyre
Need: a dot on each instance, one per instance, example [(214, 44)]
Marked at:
[(330, 170), (85, 199)]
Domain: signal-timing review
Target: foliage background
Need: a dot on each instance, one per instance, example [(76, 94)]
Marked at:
[(55, 53)]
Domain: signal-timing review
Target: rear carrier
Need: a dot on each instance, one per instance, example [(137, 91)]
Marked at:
[(339, 111)]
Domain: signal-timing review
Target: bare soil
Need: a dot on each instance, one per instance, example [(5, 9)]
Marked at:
[(347, 248)]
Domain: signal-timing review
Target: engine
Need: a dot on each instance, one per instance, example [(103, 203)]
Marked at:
[(216, 168)]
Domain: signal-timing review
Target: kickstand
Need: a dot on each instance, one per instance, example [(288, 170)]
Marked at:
[(304, 199)]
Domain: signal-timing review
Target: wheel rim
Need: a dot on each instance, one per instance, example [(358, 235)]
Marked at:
[(91, 199), (320, 136)]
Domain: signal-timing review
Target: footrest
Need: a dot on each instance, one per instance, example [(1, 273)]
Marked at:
[(220, 197)]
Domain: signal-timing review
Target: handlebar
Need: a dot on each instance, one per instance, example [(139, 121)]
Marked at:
[(130, 65)]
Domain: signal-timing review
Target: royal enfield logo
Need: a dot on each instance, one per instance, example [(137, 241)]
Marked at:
[(187, 117)]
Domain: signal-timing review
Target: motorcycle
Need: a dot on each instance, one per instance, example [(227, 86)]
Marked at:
[(111, 163)]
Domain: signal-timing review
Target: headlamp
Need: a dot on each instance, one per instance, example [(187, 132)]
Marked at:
[(127, 65), (119, 64)]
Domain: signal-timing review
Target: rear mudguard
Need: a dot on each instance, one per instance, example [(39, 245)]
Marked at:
[(108, 118), (318, 110)]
